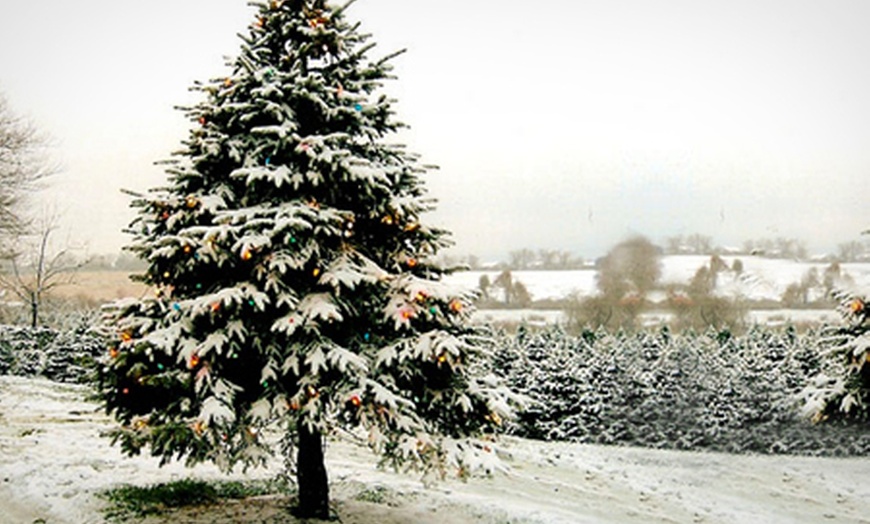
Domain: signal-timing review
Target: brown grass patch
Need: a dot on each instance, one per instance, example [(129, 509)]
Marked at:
[(96, 287)]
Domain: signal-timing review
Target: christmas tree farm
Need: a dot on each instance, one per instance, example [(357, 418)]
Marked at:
[(295, 284)]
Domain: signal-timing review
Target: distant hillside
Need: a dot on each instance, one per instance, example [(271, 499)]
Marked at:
[(761, 278)]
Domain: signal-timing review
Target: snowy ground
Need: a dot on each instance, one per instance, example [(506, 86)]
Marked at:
[(53, 461)]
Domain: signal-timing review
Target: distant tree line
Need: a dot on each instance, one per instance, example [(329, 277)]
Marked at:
[(526, 259)]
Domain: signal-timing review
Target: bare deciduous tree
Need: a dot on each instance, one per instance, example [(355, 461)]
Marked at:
[(23, 164), (35, 267), (631, 267)]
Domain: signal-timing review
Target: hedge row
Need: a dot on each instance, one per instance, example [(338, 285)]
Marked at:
[(42, 352), (707, 391)]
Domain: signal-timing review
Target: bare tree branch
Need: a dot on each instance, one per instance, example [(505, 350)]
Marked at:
[(35, 268), (23, 166)]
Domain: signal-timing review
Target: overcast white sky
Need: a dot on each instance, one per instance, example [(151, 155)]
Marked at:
[(562, 124)]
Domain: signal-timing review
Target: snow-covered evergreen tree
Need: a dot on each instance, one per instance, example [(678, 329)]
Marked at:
[(295, 280), (842, 389)]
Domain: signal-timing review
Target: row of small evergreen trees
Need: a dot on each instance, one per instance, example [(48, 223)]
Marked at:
[(691, 391)]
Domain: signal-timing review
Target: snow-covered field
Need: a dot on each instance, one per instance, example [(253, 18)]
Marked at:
[(762, 278), (769, 317), (53, 462)]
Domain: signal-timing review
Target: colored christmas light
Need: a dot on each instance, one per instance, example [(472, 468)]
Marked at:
[(126, 336), (247, 255), (113, 352), (358, 107), (318, 20), (355, 400), (193, 362), (857, 306), (495, 418), (176, 306), (191, 202), (412, 263), (316, 272), (456, 306)]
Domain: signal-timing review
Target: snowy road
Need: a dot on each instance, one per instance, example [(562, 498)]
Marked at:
[(52, 461)]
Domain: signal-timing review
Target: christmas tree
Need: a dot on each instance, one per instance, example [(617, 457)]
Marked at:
[(295, 284), (842, 390)]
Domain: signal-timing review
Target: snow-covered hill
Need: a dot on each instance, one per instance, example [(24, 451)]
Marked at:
[(761, 278), (53, 461)]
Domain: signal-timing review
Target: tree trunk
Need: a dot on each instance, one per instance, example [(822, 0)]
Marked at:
[(311, 475), (34, 311)]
